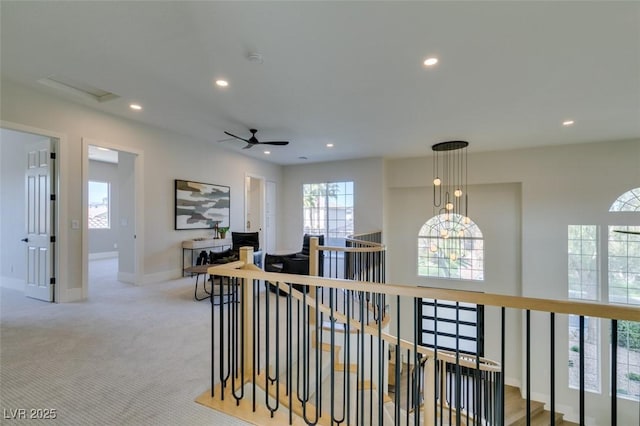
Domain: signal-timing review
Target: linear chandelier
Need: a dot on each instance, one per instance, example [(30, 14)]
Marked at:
[(450, 199)]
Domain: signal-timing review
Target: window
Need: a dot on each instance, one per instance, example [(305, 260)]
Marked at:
[(583, 267), (583, 262), (434, 259), (627, 202), (620, 284), (328, 210), (624, 288), (624, 265), (99, 206)]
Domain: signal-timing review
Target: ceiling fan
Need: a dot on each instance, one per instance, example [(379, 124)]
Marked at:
[(254, 141), (627, 232)]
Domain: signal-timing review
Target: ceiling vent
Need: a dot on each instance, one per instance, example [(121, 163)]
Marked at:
[(78, 88)]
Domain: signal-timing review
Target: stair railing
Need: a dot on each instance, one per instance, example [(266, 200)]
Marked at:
[(341, 380)]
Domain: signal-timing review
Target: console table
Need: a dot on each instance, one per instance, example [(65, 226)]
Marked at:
[(194, 246)]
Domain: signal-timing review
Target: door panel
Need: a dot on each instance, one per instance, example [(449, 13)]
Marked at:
[(38, 221)]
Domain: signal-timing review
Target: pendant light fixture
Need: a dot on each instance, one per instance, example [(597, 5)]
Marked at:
[(450, 199)]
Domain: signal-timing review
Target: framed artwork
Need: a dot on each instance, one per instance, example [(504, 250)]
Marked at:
[(201, 205)]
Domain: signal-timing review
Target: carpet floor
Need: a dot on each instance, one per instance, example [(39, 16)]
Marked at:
[(129, 355)]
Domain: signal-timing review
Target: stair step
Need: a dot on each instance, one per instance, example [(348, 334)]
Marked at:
[(516, 410)]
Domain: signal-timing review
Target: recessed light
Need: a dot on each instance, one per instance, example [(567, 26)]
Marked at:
[(222, 83), (135, 106), (267, 152), (429, 62), (567, 123), (329, 145)]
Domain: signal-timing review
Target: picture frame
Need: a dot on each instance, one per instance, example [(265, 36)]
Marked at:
[(201, 205)]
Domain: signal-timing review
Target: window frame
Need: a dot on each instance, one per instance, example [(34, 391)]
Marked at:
[(108, 203), (327, 210), (464, 270)]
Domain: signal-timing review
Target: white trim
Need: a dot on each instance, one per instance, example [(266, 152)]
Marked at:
[(59, 141), (157, 277), (127, 277), (136, 277), (103, 255)]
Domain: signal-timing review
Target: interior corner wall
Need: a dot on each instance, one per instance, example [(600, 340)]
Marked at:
[(167, 156), (559, 186), (368, 178), (496, 211)]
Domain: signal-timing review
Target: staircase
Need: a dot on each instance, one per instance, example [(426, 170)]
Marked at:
[(516, 411)]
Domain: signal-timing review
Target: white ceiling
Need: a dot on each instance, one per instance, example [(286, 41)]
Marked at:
[(348, 73)]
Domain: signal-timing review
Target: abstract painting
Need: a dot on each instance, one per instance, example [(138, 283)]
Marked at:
[(201, 205)]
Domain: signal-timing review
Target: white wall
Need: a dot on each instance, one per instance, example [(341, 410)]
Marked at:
[(167, 156), (559, 186), (495, 208)]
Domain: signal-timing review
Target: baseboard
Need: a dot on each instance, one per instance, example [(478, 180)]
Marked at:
[(511, 381), (72, 295), (157, 277), (12, 283), (103, 255), (127, 277)]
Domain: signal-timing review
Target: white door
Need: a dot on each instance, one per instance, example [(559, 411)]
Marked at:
[(39, 209), (270, 217), (254, 199)]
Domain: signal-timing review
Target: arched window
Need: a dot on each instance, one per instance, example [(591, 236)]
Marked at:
[(627, 202), (450, 247)]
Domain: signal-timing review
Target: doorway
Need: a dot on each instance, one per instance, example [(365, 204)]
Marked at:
[(260, 210), (29, 182), (112, 237)]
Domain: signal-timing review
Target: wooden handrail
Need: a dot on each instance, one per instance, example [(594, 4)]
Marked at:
[(371, 249), (600, 310)]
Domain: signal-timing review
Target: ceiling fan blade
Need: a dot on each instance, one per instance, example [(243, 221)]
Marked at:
[(225, 140), (627, 232), (275, 143), (249, 145), (237, 137)]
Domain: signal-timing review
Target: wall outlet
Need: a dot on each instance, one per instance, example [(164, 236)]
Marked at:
[(115, 245), (75, 224)]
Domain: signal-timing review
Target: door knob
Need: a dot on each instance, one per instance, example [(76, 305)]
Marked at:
[(26, 240)]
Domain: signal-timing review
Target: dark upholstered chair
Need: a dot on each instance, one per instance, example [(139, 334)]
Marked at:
[(295, 263), (247, 239)]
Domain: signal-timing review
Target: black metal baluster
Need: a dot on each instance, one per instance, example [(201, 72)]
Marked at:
[(552, 361), (458, 382), (528, 367), (213, 361), (614, 372), (582, 416), (290, 353), (502, 362)]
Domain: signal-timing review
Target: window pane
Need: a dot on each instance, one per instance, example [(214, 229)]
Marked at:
[(99, 214), (591, 353), (583, 262), (628, 356)]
